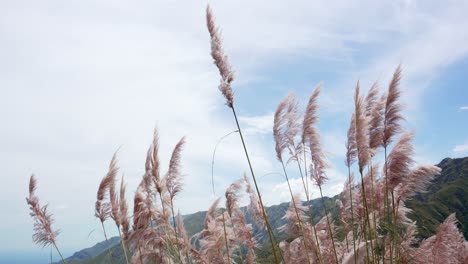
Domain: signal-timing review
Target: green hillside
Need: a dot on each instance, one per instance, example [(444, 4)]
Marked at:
[(448, 193)]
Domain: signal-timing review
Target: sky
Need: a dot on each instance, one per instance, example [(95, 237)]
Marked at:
[(81, 79)]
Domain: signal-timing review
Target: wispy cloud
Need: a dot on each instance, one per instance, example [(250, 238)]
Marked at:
[(463, 148), (257, 124), (463, 108), (280, 192)]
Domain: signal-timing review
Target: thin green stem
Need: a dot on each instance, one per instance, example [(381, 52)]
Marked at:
[(297, 213), (265, 216), (352, 214), (175, 228), (366, 218), (163, 207), (387, 207), (175, 231), (396, 238), (328, 222), (123, 245), (305, 168), (302, 177), (226, 238), (56, 248), (239, 249), (373, 207), (319, 253), (108, 244)]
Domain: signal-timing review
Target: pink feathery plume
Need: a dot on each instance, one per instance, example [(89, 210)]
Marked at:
[(155, 165), (220, 59), (423, 254), (297, 253), (361, 252), (370, 181), (325, 238), (102, 207), (147, 179), (371, 98), (379, 198), (142, 204), (292, 128), (447, 240), (254, 205), (402, 215), (148, 161), (310, 115), (233, 196), (358, 206), (250, 258), (43, 235), (348, 185), (285, 126), (392, 112), (211, 215), (318, 163), (362, 132), (284, 246), (124, 211), (162, 216), (278, 123), (138, 204), (399, 160), (199, 258), (181, 230), (213, 243), (351, 149), (408, 240), (311, 136), (294, 218), (341, 213), (376, 118), (184, 239), (345, 212), (150, 244), (462, 252), (115, 204), (174, 176), (242, 230), (416, 181)]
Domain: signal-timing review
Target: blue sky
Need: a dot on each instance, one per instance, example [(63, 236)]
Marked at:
[(81, 78)]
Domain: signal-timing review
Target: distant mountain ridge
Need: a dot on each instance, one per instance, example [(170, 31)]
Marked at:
[(447, 193), (91, 252)]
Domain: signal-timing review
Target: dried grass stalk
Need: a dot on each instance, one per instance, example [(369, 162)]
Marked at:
[(220, 59), (392, 113), (103, 207)]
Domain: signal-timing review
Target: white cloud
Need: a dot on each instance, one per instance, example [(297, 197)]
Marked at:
[(257, 124), (463, 108), (280, 192), (461, 148)]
